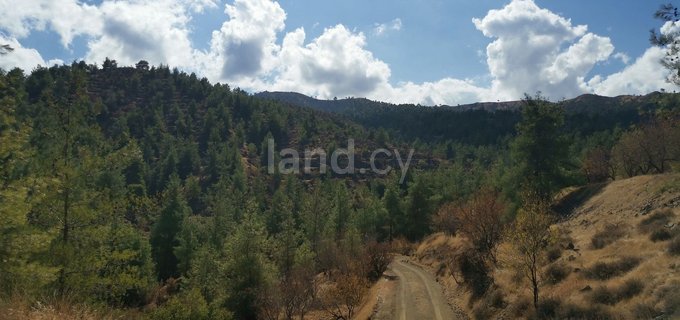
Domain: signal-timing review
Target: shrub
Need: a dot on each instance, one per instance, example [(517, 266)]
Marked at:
[(554, 253), (627, 290), (655, 221), (608, 270), (609, 235), (660, 235), (475, 272), (674, 247), (556, 272), (378, 257), (188, 305), (482, 312), (520, 307), (630, 288), (547, 308)]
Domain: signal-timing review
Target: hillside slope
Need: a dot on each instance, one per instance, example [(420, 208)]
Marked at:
[(617, 257)]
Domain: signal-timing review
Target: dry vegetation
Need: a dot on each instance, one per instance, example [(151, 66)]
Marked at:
[(609, 259)]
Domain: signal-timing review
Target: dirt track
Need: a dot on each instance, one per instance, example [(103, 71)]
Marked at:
[(416, 296)]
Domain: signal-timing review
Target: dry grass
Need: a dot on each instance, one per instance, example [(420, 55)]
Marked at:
[(611, 274), (19, 308)]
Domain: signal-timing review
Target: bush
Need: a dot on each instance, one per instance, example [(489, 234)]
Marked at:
[(554, 253), (188, 305), (475, 272), (629, 289), (608, 270), (547, 308), (660, 235), (674, 247), (609, 235), (655, 221), (378, 257), (556, 272)]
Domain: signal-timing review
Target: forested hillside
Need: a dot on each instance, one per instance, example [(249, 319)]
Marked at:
[(145, 190)]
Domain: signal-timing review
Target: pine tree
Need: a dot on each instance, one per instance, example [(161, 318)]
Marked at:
[(164, 237)]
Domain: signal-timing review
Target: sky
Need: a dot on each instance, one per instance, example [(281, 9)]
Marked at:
[(402, 51)]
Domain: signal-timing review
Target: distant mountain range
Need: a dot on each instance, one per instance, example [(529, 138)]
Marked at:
[(587, 103)]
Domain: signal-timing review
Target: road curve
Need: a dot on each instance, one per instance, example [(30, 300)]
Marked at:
[(418, 295)]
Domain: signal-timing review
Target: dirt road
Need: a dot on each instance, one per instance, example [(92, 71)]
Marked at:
[(416, 295)]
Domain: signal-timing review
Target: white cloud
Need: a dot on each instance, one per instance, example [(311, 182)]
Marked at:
[(643, 76), (245, 46), (68, 18), (156, 31), (334, 64), (526, 55), (24, 58), (625, 58), (383, 28)]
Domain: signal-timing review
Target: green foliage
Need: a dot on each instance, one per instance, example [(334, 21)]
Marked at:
[(165, 234), (187, 306), (540, 150), (114, 180), (248, 270), (419, 209)]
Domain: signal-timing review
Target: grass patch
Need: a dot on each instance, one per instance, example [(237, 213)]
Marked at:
[(627, 290), (608, 270), (609, 235)]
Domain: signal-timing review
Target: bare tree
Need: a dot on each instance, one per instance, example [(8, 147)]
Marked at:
[(598, 165), (342, 300), (298, 291), (480, 220), (445, 219)]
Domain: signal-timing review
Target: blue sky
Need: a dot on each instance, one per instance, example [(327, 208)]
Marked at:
[(428, 52)]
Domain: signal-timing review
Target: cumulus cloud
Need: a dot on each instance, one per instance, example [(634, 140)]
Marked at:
[(245, 46), (156, 31), (334, 64), (383, 28), (643, 76), (68, 18), (526, 55)]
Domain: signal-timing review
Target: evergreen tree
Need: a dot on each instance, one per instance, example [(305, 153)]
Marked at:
[(540, 150), (164, 237)]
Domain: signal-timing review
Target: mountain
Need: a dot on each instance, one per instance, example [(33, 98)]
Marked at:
[(590, 103), (481, 123)]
